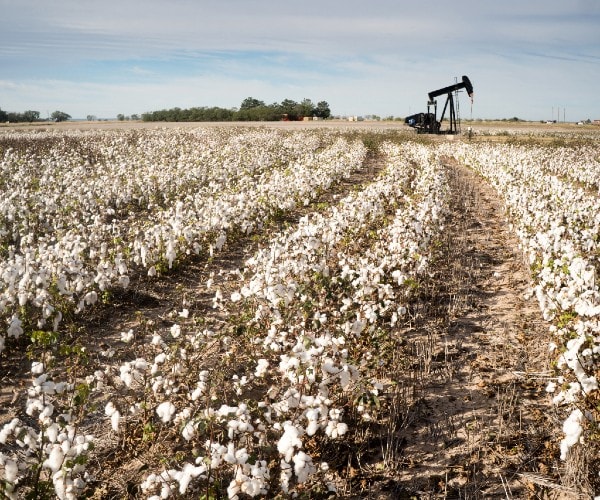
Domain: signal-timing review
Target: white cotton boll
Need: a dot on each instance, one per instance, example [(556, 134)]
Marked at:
[(329, 367), (233, 489), (332, 429), (52, 432), (399, 277), (55, 460), (91, 298), (33, 405), (47, 412), (184, 313), (288, 441), (165, 411), (127, 336), (572, 429), (230, 457), (551, 387), (236, 297), (11, 471), (15, 330), (358, 326), (188, 473), (115, 418), (189, 431), (261, 368), (312, 427), (303, 466), (37, 368), (38, 381), (140, 364), (152, 271), (48, 388), (175, 331), (285, 476)]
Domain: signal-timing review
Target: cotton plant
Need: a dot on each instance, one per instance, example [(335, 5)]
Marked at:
[(46, 443)]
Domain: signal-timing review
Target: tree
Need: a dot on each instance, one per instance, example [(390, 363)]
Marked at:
[(60, 116), (306, 108), (31, 116), (289, 108), (251, 102), (322, 110), (120, 117)]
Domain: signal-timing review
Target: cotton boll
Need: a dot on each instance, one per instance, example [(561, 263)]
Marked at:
[(127, 336), (175, 331), (573, 430), (11, 471), (165, 411), (37, 368), (303, 466), (115, 418), (189, 431), (55, 459), (335, 429), (262, 366), (288, 441), (15, 330)]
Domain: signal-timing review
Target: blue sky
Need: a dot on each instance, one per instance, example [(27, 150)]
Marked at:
[(525, 58)]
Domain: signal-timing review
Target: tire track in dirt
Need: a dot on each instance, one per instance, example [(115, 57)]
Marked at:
[(478, 424)]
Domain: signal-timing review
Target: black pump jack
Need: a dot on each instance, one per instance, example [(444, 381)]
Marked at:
[(427, 123)]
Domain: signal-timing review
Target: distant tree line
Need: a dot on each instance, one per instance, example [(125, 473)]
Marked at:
[(31, 116), (251, 109)]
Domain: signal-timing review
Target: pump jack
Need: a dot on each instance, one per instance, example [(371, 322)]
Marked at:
[(427, 123)]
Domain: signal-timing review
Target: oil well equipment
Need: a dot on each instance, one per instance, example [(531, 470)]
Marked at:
[(427, 123)]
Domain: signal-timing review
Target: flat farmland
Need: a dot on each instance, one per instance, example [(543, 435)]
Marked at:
[(310, 309)]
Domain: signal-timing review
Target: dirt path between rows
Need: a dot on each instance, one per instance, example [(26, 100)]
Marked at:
[(478, 424)]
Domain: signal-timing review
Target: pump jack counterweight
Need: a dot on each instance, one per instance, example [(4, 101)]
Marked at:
[(427, 123)]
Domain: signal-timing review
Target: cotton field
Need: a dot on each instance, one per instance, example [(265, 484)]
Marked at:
[(255, 394)]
